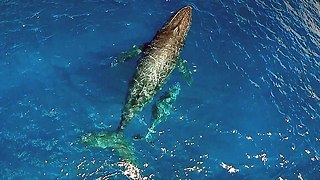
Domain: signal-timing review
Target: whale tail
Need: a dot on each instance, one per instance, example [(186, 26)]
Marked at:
[(112, 140), (118, 143)]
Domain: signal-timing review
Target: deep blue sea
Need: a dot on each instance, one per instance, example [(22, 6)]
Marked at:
[(252, 111)]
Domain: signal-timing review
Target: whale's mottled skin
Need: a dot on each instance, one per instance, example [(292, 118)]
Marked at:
[(158, 61)]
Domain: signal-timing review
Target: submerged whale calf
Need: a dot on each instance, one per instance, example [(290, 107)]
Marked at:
[(159, 59)]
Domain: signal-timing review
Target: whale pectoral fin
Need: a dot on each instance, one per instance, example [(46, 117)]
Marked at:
[(125, 56), (184, 69)]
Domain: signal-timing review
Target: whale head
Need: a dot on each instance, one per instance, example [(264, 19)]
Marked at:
[(179, 23), (175, 30)]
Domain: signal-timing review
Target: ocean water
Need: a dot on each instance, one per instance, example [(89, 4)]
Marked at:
[(252, 111)]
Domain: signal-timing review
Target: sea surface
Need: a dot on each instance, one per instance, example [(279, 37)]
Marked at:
[(252, 111)]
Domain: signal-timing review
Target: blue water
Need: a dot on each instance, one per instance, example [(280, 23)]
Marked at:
[(252, 112)]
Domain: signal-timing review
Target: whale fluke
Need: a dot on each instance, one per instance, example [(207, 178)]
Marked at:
[(111, 140)]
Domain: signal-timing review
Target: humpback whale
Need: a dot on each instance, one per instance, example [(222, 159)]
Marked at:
[(158, 59)]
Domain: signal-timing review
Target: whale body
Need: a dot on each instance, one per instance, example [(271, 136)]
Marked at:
[(157, 62), (159, 59)]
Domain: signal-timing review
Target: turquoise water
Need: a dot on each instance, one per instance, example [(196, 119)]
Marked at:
[(252, 111)]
